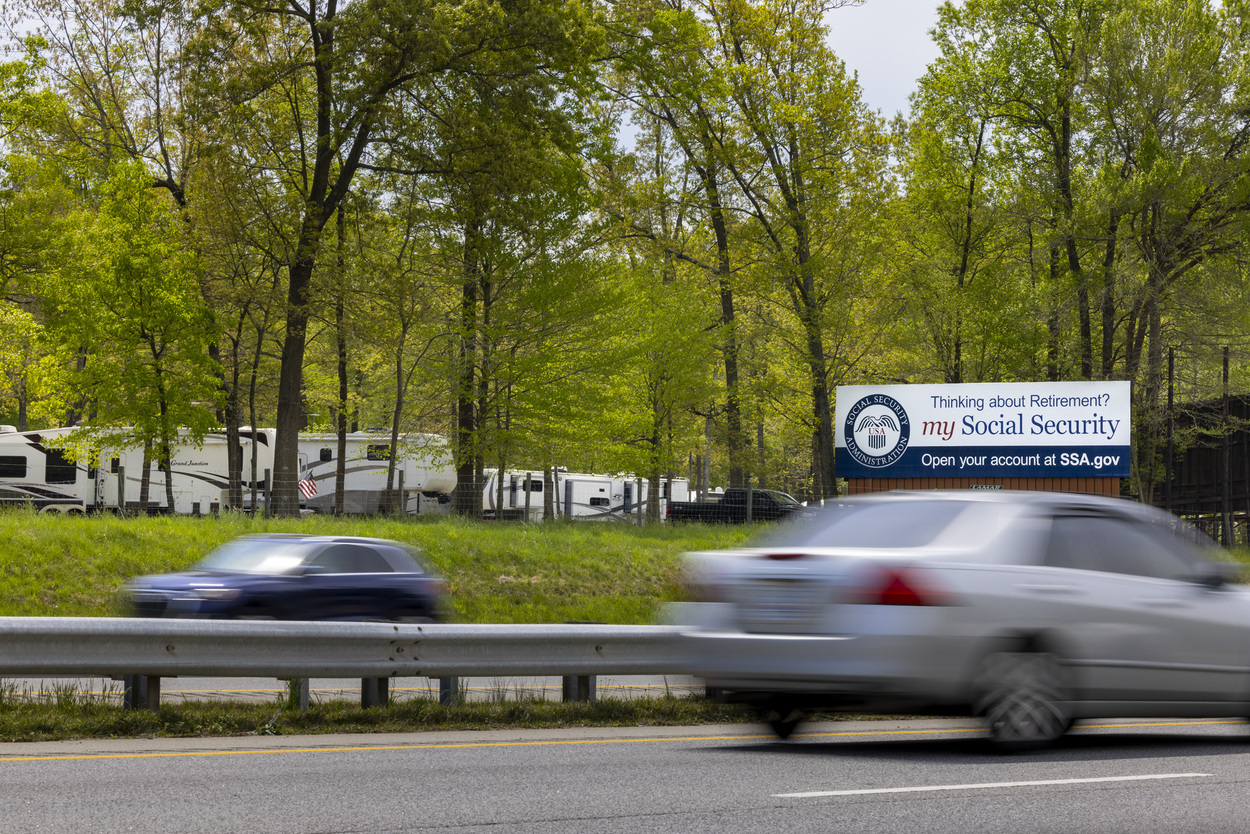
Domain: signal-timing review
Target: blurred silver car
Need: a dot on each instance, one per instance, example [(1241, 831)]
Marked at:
[(1031, 610)]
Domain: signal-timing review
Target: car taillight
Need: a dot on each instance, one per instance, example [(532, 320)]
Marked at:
[(900, 586)]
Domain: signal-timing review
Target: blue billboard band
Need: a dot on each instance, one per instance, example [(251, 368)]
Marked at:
[(995, 462)]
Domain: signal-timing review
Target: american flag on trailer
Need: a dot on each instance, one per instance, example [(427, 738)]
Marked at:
[(308, 488)]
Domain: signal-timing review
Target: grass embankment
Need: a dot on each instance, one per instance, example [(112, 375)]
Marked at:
[(496, 573)]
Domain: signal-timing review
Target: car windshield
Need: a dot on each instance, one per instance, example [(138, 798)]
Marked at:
[(782, 497), (254, 556), (884, 524)]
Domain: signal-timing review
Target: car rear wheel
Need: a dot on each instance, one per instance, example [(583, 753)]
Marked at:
[(1023, 698), (782, 718)]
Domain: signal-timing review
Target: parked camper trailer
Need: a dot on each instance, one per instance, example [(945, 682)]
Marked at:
[(577, 495), (423, 473), (514, 496), (34, 471), (200, 474)]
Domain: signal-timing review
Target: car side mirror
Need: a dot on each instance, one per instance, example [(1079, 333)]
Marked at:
[(310, 570)]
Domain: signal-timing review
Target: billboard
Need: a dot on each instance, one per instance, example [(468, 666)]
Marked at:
[(978, 430)]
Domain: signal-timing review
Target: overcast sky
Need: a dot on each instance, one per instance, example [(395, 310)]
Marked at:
[(887, 43)]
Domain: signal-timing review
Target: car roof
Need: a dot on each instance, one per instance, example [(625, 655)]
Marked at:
[(316, 539), (402, 557), (1050, 501)]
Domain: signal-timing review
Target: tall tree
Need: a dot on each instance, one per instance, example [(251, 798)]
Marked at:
[(810, 161), (344, 72), (128, 289), (672, 76)]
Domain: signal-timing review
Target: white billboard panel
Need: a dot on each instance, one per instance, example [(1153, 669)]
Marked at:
[(1005, 430)]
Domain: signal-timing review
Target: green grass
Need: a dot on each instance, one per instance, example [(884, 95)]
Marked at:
[(496, 573), (64, 713)]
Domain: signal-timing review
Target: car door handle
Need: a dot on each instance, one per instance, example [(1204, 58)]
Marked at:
[(1052, 589)]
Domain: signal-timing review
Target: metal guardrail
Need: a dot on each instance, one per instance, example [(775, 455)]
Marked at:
[(141, 651)]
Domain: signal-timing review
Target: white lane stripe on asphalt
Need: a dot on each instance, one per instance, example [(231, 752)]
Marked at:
[(925, 788)]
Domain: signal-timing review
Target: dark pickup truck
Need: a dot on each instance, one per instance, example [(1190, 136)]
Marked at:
[(766, 505)]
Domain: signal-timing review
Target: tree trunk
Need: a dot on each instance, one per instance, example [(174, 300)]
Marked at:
[(729, 347), (1108, 296), (234, 444), (340, 339), (283, 492), (145, 480), (168, 434), (1063, 161), (395, 503), (340, 417), (1052, 319), (467, 498), (549, 499)]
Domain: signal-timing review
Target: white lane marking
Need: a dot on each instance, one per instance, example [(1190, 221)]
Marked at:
[(983, 785)]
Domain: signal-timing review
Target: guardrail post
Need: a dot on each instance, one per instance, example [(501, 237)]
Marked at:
[(579, 687), (141, 692), (375, 692), (449, 691), (297, 693)]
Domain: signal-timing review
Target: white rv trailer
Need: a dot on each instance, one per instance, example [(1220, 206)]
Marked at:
[(423, 471), (577, 495), (34, 471), (200, 473)]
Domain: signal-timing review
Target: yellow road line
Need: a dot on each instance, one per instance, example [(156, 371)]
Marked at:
[(487, 744)]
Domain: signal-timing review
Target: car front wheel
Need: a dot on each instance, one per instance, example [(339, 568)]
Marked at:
[(1022, 697)]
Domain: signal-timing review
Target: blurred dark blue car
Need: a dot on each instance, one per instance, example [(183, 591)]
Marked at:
[(296, 577)]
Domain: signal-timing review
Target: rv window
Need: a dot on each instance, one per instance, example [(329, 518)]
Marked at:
[(378, 451), (596, 501), (12, 466), (114, 464), (60, 470), (536, 486), (326, 454)]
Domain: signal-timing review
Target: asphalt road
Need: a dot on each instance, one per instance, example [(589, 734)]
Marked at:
[(914, 776)]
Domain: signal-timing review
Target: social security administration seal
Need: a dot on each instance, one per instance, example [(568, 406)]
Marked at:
[(876, 431)]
